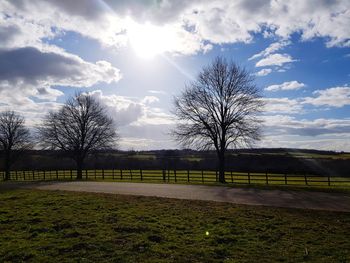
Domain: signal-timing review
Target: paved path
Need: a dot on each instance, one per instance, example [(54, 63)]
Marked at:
[(249, 196)]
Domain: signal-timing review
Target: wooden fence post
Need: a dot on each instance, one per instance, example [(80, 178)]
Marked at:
[(95, 172), (141, 174), (305, 179), (103, 174), (202, 177), (231, 177), (267, 178), (130, 174), (71, 174), (285, 179), (16, 176), (33, 175), (216, 176), (164, 175), (248, 177), (175, 175), (329, 180), (113, 173), (121, 174), (188, 175), (86, 174), (44, 175)]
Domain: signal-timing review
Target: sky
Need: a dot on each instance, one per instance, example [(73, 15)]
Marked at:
[(134, 56)]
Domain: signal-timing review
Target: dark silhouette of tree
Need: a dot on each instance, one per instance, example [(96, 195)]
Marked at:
[(219, 110), (78, 128), (14, 139)]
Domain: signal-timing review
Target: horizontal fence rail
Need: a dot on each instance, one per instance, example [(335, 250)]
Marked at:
[(181, 176)]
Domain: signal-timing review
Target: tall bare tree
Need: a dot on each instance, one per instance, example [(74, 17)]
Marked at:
[(78, 128), (219, 110), (14, 138)]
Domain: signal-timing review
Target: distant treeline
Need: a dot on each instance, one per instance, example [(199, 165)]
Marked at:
[(252, 160)]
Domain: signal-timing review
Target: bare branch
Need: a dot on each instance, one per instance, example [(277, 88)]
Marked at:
[(78, 128), (219, 110), (14, 138)]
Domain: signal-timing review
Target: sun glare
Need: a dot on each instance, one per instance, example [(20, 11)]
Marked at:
[(148, 40)]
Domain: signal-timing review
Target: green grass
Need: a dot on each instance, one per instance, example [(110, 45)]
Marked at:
[(42, 226)]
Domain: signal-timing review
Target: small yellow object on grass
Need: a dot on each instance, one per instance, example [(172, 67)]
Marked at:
[(207, 233)]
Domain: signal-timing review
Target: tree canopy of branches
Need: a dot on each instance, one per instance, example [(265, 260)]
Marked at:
[(14, 138), (219, 110), (78, 128)]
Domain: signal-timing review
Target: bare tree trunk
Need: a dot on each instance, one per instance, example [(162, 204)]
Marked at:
[(7, 174), (7, 166), (221, 156), (79, 168)]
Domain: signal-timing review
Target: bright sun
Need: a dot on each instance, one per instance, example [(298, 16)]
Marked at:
[(148, 40)]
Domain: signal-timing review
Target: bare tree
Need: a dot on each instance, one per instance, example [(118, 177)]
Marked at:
[(219, 110), (78, 128), (14, 138)]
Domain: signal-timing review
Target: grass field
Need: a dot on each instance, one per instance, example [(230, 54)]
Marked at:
[(40, 226)]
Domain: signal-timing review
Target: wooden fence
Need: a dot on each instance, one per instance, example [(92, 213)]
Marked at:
[(181, 176)]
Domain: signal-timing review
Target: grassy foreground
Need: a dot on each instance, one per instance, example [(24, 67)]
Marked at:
[(42, 226)]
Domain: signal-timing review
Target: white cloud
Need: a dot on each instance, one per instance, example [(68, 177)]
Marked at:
[(334, 97), (150, 99), (270, 58), (263, 72), (26, 72), (272, 48), (282, 105), (123, 110), (288, 85), (32, 111), (287, 131), (31, 24), (29, 79), (138, 121), (192, 25), (135, 111), (47, 93), (315, 127), (156, 91), (275, 60), (282, 18)]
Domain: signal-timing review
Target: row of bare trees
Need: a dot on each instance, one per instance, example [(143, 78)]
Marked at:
[(219, 110), (80, 126)]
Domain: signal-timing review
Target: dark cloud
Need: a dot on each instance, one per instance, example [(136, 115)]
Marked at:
[(30, 64), (315, 131), (141, 10), (84, 8), (128, 115), (287, 125), (254, 6)]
